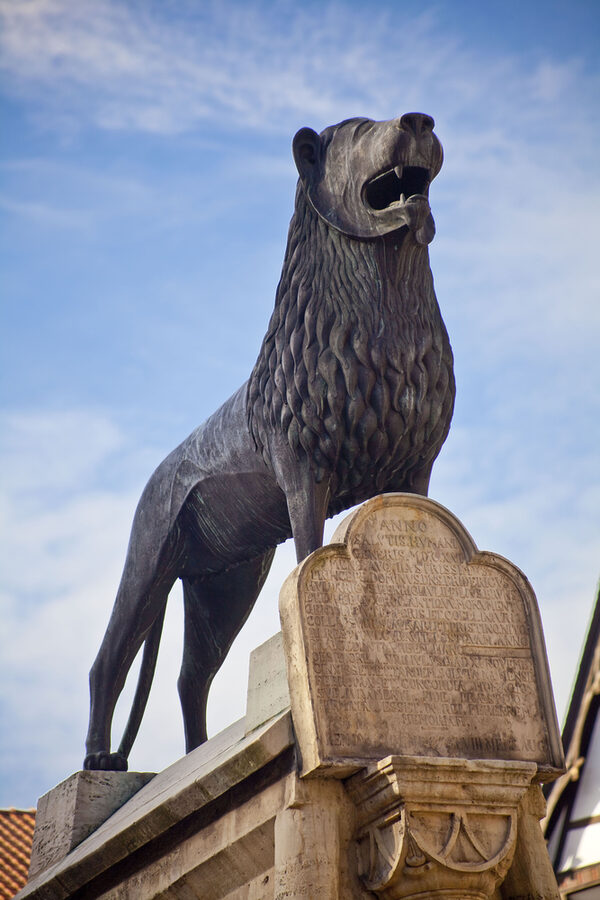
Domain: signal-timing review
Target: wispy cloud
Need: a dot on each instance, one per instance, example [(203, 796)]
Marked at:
[(52, 193), (61, 549), (143, 72), (257, 65), (514, 195), (43, 214)]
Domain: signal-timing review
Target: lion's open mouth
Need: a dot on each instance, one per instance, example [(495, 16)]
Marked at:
[(396, 184)]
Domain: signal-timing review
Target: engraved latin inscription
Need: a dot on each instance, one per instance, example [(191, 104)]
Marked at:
[(412, 649)]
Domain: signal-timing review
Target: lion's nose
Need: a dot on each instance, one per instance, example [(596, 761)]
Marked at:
[(416, 123)]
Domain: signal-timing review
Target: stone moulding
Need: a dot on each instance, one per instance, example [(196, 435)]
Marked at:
[(437, 827)]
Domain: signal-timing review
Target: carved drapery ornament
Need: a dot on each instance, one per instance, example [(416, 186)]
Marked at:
[(437, 827)]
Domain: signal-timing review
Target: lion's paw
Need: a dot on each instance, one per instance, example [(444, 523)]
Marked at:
[(105, 762)]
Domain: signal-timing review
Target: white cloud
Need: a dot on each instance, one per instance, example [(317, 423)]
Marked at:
[(63, 540), (150, 74), (54, 450), (552, 80)]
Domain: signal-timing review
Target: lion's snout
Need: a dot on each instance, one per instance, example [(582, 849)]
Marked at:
[(416, 123)]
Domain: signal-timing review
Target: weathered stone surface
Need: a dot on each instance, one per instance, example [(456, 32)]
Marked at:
[(314, 846), (530, 876), (399, 636), (448, 825), (268, 691), (72, 810), (402, 637), (141, 825)]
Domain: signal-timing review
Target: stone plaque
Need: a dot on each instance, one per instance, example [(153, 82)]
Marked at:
[(401, 637)]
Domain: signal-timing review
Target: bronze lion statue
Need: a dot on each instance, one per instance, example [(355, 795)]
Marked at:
[(351, 395)]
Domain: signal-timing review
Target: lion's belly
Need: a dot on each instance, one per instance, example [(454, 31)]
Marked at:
[(229, 519)]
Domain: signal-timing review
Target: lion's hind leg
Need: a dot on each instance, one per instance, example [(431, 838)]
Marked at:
[(216, 607), (140, 601)]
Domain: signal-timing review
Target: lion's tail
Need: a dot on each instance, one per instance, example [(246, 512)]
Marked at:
[(144, 684)]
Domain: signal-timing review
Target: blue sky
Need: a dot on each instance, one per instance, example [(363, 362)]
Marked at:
[(146, 185)]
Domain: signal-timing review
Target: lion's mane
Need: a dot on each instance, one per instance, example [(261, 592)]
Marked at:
[(356, 366)]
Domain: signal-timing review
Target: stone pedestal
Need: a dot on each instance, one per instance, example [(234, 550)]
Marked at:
[(268, 691), (313, 837), (414, 670), (402, 638), (70, 812)]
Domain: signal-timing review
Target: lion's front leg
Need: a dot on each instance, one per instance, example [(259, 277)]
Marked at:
[(307, 501), (307, 506)]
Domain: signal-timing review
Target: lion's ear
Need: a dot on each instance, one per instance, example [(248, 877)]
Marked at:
[(306, 148)]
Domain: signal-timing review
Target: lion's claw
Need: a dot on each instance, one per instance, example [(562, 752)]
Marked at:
[(105, 762)]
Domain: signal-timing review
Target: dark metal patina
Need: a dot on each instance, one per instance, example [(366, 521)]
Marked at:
[(351, 396)]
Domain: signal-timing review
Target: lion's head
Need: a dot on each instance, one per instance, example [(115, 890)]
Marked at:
[(356, 368), (368, 178)]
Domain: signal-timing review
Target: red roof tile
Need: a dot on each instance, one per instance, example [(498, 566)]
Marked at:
[(16, 835)]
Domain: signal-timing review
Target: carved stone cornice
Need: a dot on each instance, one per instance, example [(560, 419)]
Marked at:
[(437, 827)]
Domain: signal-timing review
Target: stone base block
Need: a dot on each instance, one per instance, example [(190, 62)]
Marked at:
[(268, 691), (75, 808)]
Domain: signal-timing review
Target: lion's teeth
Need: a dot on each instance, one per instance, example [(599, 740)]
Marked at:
[(402, 198), (398, 171)]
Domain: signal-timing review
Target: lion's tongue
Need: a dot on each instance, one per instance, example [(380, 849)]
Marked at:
[(418, 217)]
